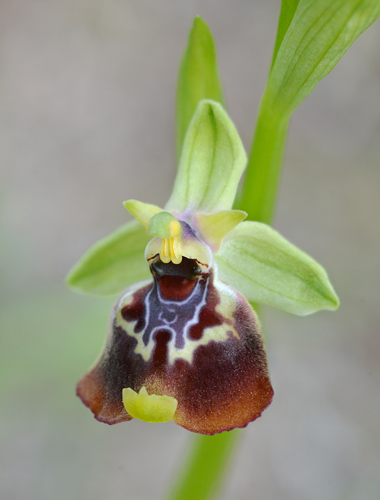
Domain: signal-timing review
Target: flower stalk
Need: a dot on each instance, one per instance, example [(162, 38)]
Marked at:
[(208, 459), (262, 178)]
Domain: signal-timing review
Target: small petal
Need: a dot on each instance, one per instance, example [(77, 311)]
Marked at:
[(268, 269), (143, 212), (212, 162), (214, 227)]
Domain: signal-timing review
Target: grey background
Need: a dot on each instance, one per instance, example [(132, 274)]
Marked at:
[(87, 101)]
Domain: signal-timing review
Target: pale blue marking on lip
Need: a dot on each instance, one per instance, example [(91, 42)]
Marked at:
[(175, 316)]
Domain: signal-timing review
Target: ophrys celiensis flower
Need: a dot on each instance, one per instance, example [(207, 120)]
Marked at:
[(186, 344)]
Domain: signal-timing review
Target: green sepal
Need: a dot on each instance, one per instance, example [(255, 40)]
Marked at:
[(319, 34), (198, 77), (212, 161), (113, 263), (266, 268)]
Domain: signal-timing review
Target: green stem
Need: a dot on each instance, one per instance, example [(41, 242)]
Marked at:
[(258, 197), (205, 466)]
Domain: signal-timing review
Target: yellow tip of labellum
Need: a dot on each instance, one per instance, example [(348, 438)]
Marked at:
[(149, 408)]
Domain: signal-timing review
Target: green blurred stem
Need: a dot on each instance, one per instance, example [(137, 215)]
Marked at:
[(205, 466), (259, 193)]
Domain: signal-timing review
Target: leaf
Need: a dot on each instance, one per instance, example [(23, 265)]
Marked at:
[(320, 33), (268, 269), (288, 8), (113, 263), (214, 227), (212, 162), (198, 77), (312, 36)]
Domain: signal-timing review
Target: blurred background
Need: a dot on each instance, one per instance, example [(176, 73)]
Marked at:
[(87, 107)]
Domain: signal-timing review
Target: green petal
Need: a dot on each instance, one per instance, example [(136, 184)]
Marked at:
[(212, 161), (198, 77), (266, 268), (214, 227), (143, 212), (113, 263)]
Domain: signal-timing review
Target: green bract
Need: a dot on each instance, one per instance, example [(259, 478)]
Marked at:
[(251, 257), (313, 36)]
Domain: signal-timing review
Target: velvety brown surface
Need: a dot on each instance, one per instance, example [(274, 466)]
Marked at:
[(226, 384)]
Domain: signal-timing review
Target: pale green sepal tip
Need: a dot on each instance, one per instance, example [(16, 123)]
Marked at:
[(266, 268), (113, 263), (212, 162), (149, 408), (214, 227), (143, 212)]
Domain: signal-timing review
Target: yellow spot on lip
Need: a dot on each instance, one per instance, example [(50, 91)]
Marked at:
[(149, 408)]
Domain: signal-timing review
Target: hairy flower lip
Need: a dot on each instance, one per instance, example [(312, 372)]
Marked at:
[(215, 368)]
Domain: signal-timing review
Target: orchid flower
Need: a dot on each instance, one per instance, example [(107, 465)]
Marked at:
[(184, 343)]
